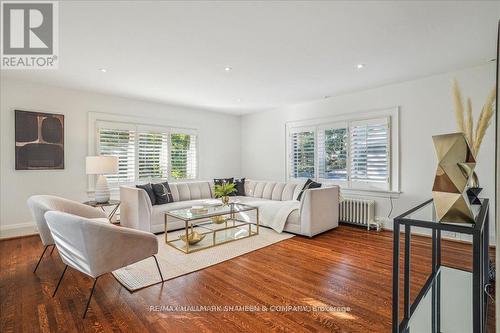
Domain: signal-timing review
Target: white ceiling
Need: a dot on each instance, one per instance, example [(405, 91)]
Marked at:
[(281, 52)]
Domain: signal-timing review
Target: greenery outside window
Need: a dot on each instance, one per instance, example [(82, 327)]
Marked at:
[(148, 153)]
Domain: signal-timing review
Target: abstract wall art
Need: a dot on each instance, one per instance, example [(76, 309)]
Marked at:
[(39, 140)]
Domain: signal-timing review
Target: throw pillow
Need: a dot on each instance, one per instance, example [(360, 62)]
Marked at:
[(149, 190), (309, 184), (240, 186), (162, 193), (220, 181)]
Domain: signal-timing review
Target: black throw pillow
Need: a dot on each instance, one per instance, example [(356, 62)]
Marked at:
[(162, 193), (309, 184), (220, 181), (149, 190), (240, 186)]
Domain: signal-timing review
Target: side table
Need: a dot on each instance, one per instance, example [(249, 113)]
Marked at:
[(111, 203)]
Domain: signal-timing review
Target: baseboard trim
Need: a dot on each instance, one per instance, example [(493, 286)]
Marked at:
[(451, 239), (18, 230)]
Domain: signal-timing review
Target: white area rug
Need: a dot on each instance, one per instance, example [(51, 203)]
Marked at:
[(174, 263)]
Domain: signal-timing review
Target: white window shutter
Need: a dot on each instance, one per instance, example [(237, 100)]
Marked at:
[(369, 147), (121, 143), (153, 156), (302, 154)]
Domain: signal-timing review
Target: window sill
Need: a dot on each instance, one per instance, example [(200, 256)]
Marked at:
[(370, 193)]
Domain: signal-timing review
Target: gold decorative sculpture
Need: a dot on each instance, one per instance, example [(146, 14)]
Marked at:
[(456, 164), (193, 237)]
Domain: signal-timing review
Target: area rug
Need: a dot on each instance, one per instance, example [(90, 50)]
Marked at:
[(173, 263)]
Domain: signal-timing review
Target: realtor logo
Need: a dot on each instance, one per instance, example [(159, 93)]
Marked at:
[(29, 35)]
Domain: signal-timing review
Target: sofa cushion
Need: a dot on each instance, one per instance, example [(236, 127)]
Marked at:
[(278, 191), (250, 187), (190, 191), (162, 192), (149, 190), (259, 189), (268, 190), (289, 191), (272, 190)]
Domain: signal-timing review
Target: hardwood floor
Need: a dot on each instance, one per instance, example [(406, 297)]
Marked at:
[(347, 267)]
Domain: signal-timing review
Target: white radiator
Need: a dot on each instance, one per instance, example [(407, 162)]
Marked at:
[(357, 211)]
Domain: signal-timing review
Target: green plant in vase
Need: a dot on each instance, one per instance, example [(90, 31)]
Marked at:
[(224, 190)]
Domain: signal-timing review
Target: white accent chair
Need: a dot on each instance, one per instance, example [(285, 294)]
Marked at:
[(96, 248), (40, 204)]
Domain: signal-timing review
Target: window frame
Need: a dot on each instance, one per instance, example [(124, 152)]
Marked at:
[(111, 121), (392, 115)]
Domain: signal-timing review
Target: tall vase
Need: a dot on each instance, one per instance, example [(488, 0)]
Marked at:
[(455, 166)]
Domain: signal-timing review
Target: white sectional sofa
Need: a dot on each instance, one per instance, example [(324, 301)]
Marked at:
[(316, 212)]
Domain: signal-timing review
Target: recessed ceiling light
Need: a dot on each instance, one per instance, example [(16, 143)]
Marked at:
[(104, 70), (360, 66), (227, 69)]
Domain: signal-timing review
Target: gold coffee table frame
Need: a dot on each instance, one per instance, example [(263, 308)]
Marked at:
[(203, 221)]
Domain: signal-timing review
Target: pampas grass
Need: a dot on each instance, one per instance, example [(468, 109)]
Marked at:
[(459, 106), (469, 122), (484, 121), (466, 126)]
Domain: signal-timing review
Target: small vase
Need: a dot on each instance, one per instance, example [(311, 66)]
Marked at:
[(474, 190), (225, 200)]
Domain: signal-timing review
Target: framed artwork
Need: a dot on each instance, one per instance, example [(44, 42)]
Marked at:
[(39, 140)]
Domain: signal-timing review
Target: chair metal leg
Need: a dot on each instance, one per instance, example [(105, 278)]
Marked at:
[(38, 263), (60, 279), (53, 247), (90, 297), (159, 271)]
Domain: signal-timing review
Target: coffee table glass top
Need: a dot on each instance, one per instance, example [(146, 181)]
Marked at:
[(209, 211)]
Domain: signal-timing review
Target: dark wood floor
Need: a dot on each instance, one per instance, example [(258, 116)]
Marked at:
[(347, 267)]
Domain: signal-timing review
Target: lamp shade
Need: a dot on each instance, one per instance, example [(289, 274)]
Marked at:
[(99, 165)]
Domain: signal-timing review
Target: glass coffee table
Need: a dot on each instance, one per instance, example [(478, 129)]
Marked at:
[(210, 226)]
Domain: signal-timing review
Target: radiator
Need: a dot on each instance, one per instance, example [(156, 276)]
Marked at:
[(357, 211)]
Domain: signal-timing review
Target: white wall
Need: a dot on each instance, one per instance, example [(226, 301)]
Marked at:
[(426, 109), (219, 154)]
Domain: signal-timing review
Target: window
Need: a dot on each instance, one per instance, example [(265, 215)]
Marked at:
[(183, 156), (148, 153), (302, 154), (353, 153), (121, 143), (332, 151), (153, 155), (370, 151)]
